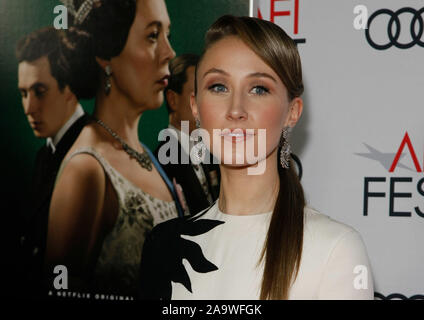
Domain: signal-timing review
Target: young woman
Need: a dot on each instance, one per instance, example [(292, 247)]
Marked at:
[(110, 192), (259, 240)]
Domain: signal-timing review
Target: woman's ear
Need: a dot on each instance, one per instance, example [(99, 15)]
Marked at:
[(102, 62), (295, 111), (193, 105)]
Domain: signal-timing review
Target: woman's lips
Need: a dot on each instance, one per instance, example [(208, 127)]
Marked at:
[(164, 81), (237, 135)]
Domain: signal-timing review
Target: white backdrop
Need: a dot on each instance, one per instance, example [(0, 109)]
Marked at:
[(359, 104)]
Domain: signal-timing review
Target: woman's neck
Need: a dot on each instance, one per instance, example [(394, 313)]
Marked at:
[(241, 193), (120, 115)]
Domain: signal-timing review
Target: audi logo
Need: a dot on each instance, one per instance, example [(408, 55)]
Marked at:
[(394, 19), (397, 296)]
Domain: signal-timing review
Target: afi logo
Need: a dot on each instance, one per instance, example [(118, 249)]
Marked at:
[(284, 13), (406, 142), (414, 184)]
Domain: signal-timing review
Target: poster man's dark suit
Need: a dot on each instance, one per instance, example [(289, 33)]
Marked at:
[(185, 175), (36, 212)]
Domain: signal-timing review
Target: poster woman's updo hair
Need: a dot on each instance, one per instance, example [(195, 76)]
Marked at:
[(102, 33), (283, 248)]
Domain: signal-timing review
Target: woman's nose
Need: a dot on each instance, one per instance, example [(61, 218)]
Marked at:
[(237, 110), (168, 52)]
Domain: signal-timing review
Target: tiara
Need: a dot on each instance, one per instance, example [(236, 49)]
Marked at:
[(83, 11)]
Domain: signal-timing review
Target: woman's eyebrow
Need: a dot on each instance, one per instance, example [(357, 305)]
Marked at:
[(157, 24), (251, 75), (261, 75), (215, 70)]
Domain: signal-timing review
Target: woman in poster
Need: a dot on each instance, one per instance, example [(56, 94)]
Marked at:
[(110, 190)]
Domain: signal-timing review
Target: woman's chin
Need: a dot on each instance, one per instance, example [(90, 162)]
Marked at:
[(157, 102), (153, 104), (237, 166), (239, 163)]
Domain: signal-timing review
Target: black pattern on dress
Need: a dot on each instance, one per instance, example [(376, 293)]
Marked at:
[(163, 254)]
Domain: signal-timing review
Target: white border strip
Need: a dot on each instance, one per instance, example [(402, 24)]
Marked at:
[(251, 8)]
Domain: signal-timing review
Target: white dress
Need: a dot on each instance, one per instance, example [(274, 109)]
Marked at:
[(334, 262)]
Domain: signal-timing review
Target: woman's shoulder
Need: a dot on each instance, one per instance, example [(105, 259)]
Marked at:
[(322, 229), (87, 153), (316, 218), (334, 260), (82, 168), (80, 163)]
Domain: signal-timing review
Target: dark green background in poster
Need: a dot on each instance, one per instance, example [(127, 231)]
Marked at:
[(190, 19)]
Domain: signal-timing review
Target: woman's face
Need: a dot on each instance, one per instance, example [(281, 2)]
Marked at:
[(238, 90), (140, 72)]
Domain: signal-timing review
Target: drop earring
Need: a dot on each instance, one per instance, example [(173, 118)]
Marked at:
[(285, 152), (108, 83), (198, 152)]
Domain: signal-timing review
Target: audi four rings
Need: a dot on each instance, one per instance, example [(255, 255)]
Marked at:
[(394, 19)]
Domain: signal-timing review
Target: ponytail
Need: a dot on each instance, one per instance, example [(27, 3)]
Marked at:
[(282, 251)]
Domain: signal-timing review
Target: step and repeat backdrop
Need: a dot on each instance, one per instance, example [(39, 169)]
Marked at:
[(361, 136), (360, 139)]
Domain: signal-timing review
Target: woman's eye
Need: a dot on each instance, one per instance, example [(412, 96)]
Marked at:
[(219, 88), (154, 36), (259, 90)]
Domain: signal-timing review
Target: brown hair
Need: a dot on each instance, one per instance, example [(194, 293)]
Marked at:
[(178, 70), (45, 42), (103, 33), (283, 247)]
